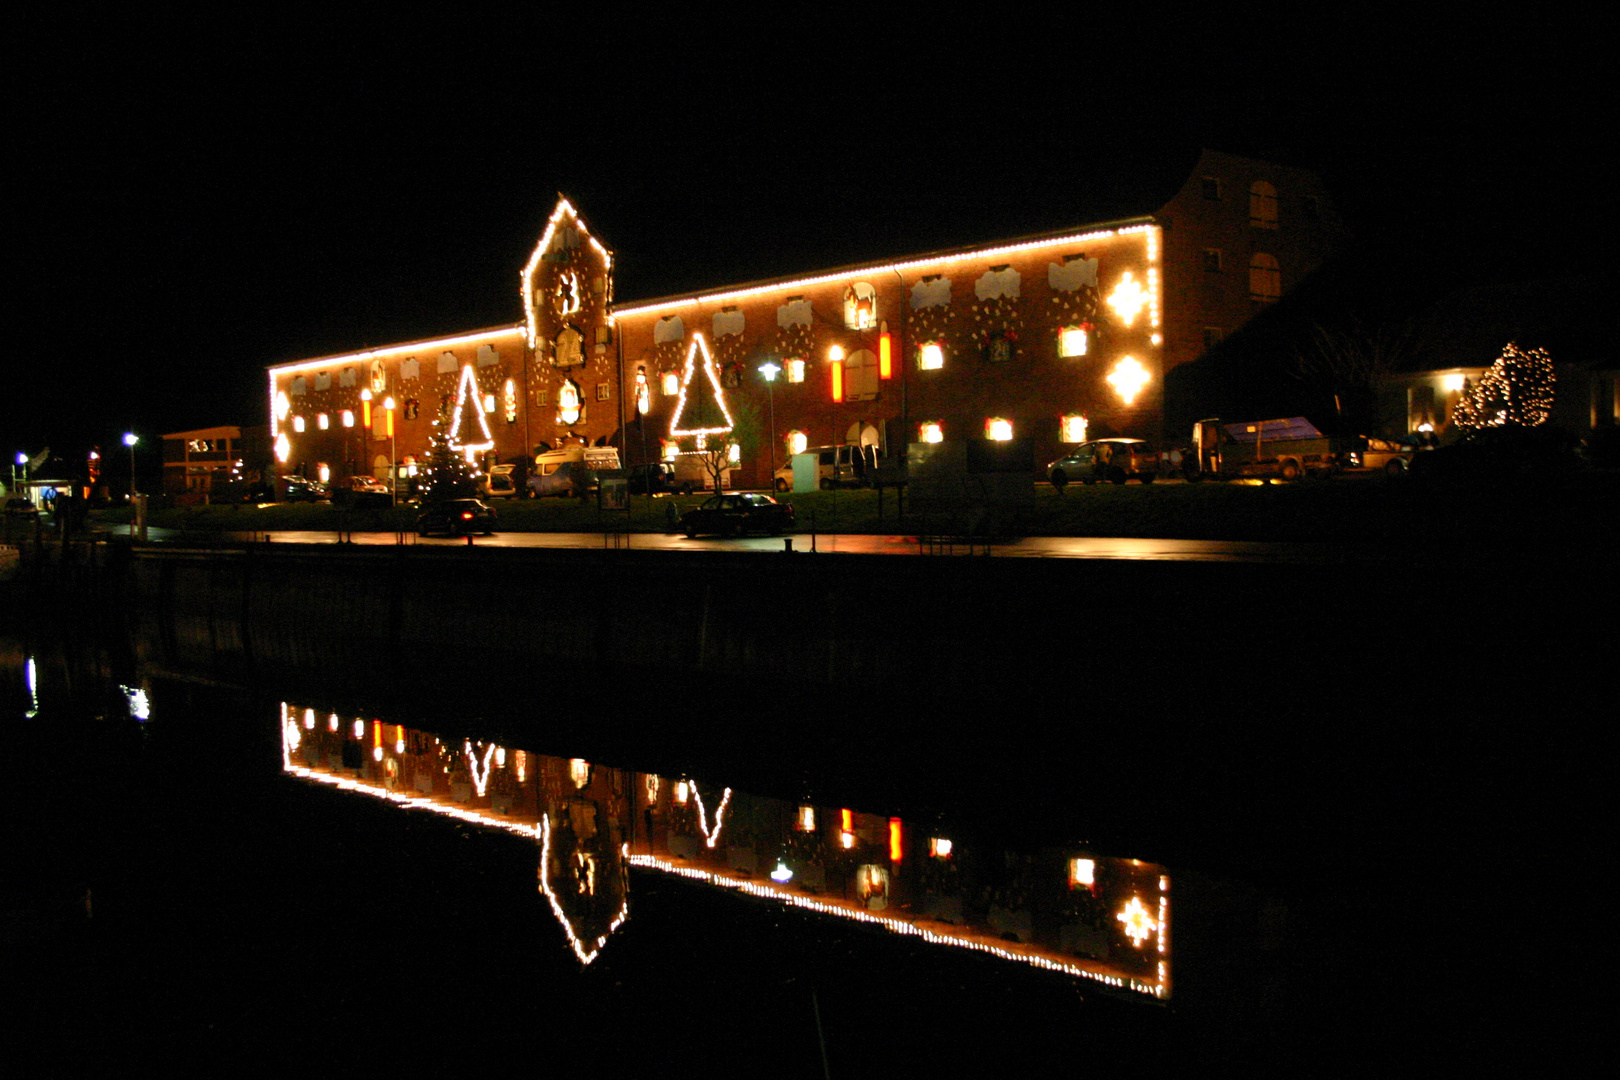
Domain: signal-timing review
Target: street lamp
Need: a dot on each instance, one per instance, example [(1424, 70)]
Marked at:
[(770, 370), (393, 461), (130, 439)]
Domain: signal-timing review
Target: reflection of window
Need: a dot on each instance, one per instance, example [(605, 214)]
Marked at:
[(860, 306), (1265, 278), (998, 430), (1073, 341), (1074, 428), (930, 356), (807, 819), (1262, 205), (930, 431), (795, 370)]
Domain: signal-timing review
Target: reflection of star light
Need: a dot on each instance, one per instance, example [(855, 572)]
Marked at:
[(1139, 921), (1128, 378), (1127, 298)]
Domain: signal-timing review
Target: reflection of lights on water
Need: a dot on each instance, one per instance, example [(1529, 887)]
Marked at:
[(580, 771), (480, 776), (901, 926), (33, 689), (585, 953), (359, 729), (709, 837), (1138, 921), (309, 719)]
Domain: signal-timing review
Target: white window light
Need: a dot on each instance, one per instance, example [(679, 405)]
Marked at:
[(795, 370), (1073, 341), (930, 431), (931, 356), (1074, 428), (997, 429)]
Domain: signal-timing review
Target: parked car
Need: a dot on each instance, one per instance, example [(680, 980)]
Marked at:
[(362, 491), (572, 470), (499, 484), (733, 515), (655, 478), (848, 465), (20, 507), (300, 489), (1113, 460), (456, 517)]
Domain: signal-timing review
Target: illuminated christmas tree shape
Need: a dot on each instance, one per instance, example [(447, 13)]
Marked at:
[(467, 395), (687, 393), (1139, 921)]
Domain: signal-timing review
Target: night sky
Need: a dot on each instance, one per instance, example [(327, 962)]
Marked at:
[(191, 199)]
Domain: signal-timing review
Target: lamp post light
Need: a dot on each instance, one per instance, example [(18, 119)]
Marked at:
[(130, 439), (770, 370), (393, 460)]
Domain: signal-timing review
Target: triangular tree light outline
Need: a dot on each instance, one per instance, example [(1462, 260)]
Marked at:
[(469, 382), (714, 383)]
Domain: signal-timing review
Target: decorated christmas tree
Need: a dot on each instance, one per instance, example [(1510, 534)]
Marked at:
[(448, 474), (1516, 391)]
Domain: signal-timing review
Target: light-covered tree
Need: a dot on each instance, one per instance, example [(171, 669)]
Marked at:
[(1516, 391)]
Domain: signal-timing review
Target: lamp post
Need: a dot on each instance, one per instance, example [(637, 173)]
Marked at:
[(393, 461), (130, 439), (770, 370)]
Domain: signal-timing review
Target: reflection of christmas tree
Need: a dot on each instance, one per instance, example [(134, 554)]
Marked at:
[(448, 474)]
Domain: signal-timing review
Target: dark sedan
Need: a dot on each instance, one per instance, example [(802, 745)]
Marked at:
[(733, 515), (456, 517)]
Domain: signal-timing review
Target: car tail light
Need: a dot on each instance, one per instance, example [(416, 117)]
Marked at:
[(466, 515)]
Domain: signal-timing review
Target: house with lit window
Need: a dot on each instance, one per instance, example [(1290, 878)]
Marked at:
[(1048, 339)]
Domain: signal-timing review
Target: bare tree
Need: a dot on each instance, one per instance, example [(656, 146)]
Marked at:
[(1348, 357)]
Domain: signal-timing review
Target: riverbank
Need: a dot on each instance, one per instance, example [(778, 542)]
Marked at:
[(1349, 509)]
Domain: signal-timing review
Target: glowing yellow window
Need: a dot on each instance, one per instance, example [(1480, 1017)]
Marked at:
[(1074, 428), (795, 370), (931, 356), (998, 430), (1073, 341), (797, 441), (930, 431), (322, 422)]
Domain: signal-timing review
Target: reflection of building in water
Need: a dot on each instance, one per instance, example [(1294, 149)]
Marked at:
[(1097, 918)]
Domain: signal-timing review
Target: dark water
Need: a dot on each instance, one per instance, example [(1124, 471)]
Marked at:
[(173, 899)]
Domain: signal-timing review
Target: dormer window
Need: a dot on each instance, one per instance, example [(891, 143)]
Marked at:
[(860, 306)]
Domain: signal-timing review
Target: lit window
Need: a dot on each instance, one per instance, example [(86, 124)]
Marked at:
[(939, 847), (671, 382), (860, 306), (807, 819), (931, 356), (348, 418), (298, 424), (797, 441), (1082, 872), (324, 471), (322, 422), (734, 454), (1074, 428), (1073, 341), (672, 449), (569, 407), (489, 403), (1212, 260), (1262, 205), (930, 431), (795, 370), (998, 430), (1265, 278)]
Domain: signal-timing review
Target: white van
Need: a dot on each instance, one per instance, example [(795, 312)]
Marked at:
[(572, 470)]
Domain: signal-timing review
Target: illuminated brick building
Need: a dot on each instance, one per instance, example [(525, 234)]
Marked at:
[(1050, 339)]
